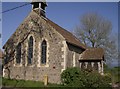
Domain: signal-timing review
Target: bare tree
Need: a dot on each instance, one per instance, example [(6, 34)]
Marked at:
[(95, 31)]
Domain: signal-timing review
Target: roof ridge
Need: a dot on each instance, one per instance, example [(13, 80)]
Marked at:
[(92, 53)]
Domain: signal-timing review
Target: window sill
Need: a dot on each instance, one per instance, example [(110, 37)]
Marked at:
[(43, 65), (30, 65), (18, 65)]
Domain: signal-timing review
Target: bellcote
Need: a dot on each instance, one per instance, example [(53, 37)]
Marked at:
[(39, 6)]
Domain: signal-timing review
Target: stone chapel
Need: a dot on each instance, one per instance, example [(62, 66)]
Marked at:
[(40, 47)]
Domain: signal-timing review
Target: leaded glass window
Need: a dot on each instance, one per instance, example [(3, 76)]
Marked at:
[(30, 50), (18, 53), (43, 52)]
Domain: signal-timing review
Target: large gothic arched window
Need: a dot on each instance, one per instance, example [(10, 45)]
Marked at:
[(18, 53), (43, 52), (30, 50)]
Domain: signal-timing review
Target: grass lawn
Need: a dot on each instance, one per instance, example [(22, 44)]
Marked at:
[(23, 83)]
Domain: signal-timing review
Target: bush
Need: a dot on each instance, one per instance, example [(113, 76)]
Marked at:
[(71, 76), (94, 79), (78, 78)]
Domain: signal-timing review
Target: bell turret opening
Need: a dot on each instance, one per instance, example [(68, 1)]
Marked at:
[(39, 7)]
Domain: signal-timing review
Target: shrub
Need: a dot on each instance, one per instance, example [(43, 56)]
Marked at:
[(71, 76), (94, 79), (83, 78)]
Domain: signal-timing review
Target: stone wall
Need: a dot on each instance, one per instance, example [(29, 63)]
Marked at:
[(40, 30), (73, 55), (60, 55)]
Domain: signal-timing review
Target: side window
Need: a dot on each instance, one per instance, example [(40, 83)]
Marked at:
[(18, 53), (43, 52), (30, 50)]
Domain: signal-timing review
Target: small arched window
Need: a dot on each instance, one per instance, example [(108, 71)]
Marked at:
[(30, 50), (18, 53), (43, 52)]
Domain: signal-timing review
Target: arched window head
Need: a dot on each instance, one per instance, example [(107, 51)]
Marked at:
[(30, 50), (43, 52), (18, 53)]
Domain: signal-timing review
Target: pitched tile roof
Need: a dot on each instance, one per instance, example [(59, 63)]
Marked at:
[(39, 1), (92, 54), (69, 37)]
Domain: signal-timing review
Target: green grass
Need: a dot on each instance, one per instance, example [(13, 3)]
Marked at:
[(23, 83)]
